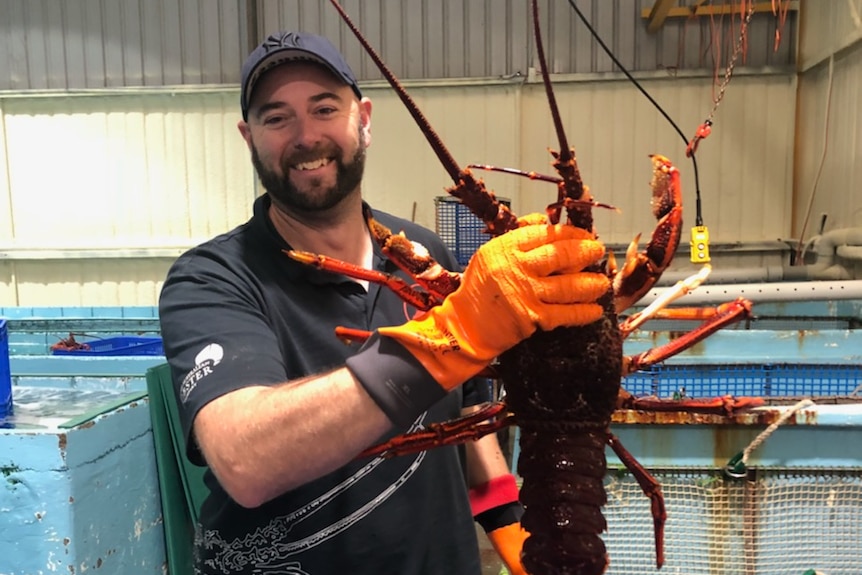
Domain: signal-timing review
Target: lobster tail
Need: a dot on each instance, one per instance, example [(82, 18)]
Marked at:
[(563, 479), (564, 402)]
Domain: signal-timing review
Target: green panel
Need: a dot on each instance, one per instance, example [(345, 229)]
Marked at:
[(182, 487)]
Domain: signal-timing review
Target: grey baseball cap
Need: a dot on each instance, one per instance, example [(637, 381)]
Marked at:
[(283, 47)]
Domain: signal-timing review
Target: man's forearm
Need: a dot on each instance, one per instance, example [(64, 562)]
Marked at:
[(263, 441)]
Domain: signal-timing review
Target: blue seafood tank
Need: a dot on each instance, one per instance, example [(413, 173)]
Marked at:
[(5, 374)]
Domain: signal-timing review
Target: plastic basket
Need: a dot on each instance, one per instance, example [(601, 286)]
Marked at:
[(460, 230), (118, 346), (5, 373), (759, 380)]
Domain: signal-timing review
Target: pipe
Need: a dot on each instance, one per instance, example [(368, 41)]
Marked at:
[(764, 292), (763, 274), (832, 250), (827, 247), (849, 252)]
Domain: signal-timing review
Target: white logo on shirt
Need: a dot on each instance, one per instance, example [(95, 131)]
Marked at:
[(205, 361)]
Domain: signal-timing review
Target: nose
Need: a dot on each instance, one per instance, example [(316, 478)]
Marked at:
[(307, 134)]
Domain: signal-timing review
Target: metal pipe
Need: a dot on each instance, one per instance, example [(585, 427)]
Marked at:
[(765, 292), (835, 253), (763, 274)]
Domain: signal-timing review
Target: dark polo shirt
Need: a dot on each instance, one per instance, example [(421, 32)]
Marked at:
[(236, 311)]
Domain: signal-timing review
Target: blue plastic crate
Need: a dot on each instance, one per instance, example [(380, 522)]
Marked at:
[(126, 345), (759, 380), (460, 230), (5, 373)]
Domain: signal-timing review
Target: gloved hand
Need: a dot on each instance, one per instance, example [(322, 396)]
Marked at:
[(496, 508), (526, 279), (507, 542)]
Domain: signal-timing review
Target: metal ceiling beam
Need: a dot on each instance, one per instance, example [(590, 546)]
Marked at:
[(663, 9), (657, 14)]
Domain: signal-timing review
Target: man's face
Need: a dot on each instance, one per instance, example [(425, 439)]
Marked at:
[(307, 133)]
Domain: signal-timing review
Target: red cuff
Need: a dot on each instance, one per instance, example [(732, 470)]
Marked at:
[(496, 492)]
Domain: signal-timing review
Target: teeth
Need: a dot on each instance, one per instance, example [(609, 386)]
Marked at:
[(312, 165)]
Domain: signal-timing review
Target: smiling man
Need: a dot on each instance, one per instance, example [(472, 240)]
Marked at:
[(278, 409)]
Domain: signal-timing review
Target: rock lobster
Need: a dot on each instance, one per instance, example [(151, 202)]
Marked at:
[(562, 386)]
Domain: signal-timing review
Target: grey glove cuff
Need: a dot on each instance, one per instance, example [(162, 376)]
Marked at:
[(395, 380)]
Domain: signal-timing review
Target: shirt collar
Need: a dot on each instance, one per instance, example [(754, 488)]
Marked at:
[(263, 226)]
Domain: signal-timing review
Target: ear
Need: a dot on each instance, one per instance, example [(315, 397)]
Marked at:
[(365, 119), (245, 132)]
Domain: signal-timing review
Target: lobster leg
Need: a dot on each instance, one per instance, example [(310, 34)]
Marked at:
[(725, 315), (681, 288), (413, 259), (410, 257), (651, 489), (722, 316), (351, 335), (491, 418), (726, 405), (418, 299)]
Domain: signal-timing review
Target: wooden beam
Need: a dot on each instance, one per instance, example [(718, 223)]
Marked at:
[(657, 14), (707, 10)]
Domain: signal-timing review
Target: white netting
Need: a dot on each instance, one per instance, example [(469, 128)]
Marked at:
[(776, 522)]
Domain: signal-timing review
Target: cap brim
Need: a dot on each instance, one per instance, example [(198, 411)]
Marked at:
[(279, 57)]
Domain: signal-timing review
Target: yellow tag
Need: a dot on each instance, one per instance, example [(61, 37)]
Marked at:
[(699, 244)]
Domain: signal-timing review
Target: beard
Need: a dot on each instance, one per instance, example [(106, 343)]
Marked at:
[(284, 193)]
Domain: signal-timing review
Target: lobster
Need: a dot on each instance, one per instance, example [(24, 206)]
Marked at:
[(562, 386), (70, 344)]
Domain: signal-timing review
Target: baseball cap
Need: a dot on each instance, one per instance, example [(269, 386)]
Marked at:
[(284, 47)]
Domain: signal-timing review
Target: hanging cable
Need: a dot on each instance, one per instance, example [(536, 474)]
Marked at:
[(706, 127), (799, 259), (646, 94), (728, 72)]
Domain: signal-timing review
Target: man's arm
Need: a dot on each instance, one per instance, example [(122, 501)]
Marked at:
[(485, 459), (262, 441), (494, 499)]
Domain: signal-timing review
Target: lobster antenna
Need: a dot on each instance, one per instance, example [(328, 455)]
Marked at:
[(552, 99), (699, 218), (446, 158), (565, 162)]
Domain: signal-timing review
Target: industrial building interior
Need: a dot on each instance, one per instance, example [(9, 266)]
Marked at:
[(120, 153)]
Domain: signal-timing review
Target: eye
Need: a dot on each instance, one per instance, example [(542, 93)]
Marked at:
[(278, 120), (325, 111)]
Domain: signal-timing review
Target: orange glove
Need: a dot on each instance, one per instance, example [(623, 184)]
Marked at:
[(496, 508), (511, 287), (507, 542), (527, 279)]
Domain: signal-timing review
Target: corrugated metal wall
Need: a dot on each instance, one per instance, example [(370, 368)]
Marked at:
[(87, 44), (126, 174), (81, 44), (829, 138)]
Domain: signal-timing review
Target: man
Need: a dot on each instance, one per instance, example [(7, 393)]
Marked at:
[(279, 410)]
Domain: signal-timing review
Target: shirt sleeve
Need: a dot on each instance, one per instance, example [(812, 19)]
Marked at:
[(478, 390), (216, 336)]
